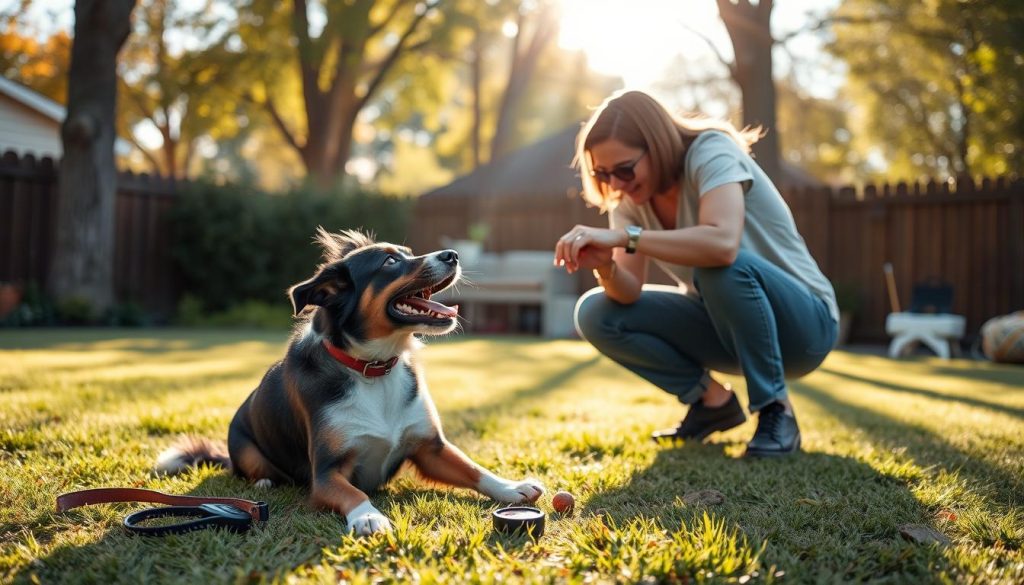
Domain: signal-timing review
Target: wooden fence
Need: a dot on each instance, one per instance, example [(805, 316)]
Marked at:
[(968, 235), (143, 270)]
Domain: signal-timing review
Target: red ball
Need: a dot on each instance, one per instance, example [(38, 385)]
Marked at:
[(563, 502)]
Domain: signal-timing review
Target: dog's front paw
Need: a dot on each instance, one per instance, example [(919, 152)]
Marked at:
[(365, 520), (368, 524), (512, 492)]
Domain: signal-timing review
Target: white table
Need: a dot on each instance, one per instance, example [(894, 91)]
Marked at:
[(938, 331)]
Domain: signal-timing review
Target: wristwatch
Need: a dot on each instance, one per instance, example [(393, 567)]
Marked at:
[(633, 232)]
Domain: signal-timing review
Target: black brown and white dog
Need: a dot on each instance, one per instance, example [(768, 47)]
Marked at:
[(348, 406)]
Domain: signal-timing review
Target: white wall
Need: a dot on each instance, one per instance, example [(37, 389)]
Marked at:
[(27, 132)]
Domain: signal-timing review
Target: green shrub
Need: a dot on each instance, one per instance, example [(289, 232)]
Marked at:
[(254, 314), (37, 308), (75, 310), (234, 243), (190, 311), (250, 313), (127, 314)]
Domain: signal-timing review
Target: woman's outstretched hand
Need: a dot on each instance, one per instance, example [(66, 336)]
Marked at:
[(585, 248)]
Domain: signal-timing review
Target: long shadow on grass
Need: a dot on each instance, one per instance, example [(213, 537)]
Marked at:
[(926, 447), (1000, 374), (524, 397), (1016, 412), (145, 340), (511, 349), (821, 517)]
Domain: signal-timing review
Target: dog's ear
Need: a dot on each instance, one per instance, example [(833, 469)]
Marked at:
[(325, 285)]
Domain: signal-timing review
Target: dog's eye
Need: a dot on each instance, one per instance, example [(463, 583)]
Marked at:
[(390, 260)]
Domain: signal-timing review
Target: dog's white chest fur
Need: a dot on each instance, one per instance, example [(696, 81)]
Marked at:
[(379, 423)]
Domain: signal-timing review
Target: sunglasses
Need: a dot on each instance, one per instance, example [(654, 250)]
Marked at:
[(623, 172)]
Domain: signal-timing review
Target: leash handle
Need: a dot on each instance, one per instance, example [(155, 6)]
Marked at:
[(258, 511)]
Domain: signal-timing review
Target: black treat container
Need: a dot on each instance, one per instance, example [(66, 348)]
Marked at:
[(519, 520)]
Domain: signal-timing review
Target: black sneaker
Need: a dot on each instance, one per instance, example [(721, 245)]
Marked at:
[(700, 421), (777, 433)]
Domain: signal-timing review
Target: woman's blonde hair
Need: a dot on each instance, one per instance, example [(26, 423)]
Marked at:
[(640, 121)]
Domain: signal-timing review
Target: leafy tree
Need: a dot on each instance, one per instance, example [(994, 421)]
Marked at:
[(941, 82), (40, 65), (448, 104), (815, 135), (342, 53), (180, 76), (83, 260)]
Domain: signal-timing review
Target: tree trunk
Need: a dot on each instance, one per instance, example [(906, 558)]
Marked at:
[(476, 76), (749, 27), (83, 262), (524, 64)]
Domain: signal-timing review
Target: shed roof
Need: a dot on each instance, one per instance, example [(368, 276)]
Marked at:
[(32, 99), (543, 167)]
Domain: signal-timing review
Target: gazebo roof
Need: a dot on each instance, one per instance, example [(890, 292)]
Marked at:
[(542, 167)]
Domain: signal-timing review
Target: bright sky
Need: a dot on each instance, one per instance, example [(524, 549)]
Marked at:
[(638, 39)]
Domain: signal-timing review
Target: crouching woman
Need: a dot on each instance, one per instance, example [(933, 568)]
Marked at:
[(685, 193)]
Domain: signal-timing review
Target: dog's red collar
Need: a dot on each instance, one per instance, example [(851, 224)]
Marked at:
[(370, 369)]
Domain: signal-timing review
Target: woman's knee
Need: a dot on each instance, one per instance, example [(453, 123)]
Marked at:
[(591, 314)]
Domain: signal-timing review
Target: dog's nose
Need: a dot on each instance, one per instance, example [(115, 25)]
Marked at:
[(448, 257)]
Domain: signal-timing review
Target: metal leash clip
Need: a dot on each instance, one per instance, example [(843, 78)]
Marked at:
[(209, 516)]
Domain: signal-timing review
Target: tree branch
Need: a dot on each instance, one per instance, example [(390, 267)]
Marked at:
[(388, 62), (390, 17), (915, 113), (133, 94), (279, 122), (153, 162), (718, 54), (901, 19)]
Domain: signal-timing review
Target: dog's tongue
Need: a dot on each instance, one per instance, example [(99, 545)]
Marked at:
[(427, 305)]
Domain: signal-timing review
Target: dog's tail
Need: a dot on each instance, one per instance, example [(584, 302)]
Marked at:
[(189, 452)]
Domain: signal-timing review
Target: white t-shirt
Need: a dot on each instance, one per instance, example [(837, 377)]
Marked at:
[(712, 160)]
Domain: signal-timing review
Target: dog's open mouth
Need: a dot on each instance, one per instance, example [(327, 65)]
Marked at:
[(416, 307)]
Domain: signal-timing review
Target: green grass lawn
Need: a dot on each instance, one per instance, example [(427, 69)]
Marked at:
[(885, 444)]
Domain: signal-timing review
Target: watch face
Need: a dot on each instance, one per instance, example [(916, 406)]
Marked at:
[(633, 231)]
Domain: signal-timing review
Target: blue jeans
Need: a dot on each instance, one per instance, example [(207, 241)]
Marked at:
[(752, 319)]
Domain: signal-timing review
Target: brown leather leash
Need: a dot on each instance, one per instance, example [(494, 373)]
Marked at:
[(235, 514)]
